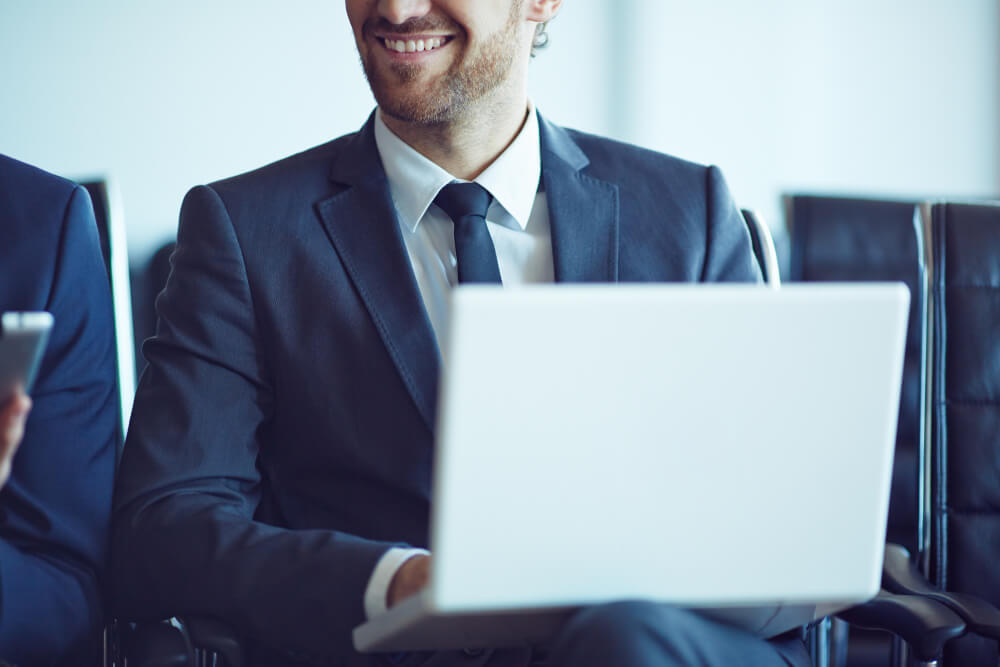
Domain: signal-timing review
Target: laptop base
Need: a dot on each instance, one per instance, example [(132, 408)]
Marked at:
[(414, 626)]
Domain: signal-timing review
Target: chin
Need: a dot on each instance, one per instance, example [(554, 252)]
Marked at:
[(417, 106), (417, 112)]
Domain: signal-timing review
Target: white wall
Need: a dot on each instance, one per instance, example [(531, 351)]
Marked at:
[(875, 96), (166, 95), (898, 97)]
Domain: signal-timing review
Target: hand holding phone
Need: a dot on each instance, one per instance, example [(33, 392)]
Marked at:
[(22, 343), (23, 336)]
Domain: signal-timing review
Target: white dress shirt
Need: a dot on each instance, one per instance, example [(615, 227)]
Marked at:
[(518, 223)]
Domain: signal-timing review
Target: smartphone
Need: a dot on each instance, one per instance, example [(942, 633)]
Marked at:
[(23, 336)]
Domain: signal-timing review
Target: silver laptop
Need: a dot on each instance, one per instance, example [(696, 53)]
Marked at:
[(722, 448)]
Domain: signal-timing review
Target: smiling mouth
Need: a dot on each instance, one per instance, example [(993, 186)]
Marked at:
[(413, 45)]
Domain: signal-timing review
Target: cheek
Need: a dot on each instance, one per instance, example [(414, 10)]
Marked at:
[(490, 18), (357, 10)]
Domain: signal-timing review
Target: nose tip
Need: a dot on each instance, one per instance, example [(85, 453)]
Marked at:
[(400, 11)]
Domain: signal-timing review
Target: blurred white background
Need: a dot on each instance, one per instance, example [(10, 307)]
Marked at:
[(877, 97)]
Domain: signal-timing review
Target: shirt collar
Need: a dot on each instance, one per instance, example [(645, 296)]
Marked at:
[(414, 180)]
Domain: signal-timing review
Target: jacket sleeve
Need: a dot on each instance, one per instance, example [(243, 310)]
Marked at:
[(729, 256), (55, 510), (185, 536)]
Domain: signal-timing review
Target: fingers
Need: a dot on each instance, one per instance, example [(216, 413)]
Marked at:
[(17, 407), (12, 420), (410, 579), (19, 403)]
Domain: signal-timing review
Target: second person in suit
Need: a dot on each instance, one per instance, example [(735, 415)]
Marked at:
[(55, 508)]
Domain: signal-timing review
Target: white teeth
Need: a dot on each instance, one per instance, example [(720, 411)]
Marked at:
[(413, 46)]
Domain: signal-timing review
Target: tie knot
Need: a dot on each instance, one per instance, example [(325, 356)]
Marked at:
[(459, 200)]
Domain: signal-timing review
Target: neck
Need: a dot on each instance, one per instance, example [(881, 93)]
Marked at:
[(465, 146)]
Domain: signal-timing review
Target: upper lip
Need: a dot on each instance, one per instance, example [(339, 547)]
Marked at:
[(408, 36)]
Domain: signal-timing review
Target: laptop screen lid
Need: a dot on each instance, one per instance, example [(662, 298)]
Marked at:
[(701, 445)]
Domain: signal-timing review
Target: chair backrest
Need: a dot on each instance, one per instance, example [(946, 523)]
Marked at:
[(965, 433), (763, 247), (848, 239), (147, 283), (111, 229)]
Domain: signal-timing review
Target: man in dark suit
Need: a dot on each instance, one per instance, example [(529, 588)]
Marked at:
[(55, 508), (277, 468)]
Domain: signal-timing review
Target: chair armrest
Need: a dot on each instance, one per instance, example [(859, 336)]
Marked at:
[(925, 625), (900, 575), (157, 644), (212, 634)]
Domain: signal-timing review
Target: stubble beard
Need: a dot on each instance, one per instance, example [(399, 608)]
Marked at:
[(468, 80)]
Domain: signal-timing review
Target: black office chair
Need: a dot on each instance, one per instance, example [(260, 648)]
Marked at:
[(845, 239), (922, 626), (147, 283), (962, 502), (192, 641), (849, 239), (964, 462)]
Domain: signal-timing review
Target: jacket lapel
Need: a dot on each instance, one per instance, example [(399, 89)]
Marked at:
[(361, 222), (583, 211), (362, 225)]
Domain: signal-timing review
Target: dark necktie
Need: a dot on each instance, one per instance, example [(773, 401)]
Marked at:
[(466, 205)]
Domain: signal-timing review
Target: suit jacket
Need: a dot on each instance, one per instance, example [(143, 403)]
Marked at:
[(282, 436), (55, 510)]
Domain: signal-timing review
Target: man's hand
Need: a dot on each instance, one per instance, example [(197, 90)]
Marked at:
[(12, 418), (410, 579)]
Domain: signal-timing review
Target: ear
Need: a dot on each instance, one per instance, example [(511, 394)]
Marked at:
[(541, 11)]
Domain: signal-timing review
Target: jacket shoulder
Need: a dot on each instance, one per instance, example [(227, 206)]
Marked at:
[(309, 168), (677, 219), (43, 216), (27, 185), (611, 160)]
